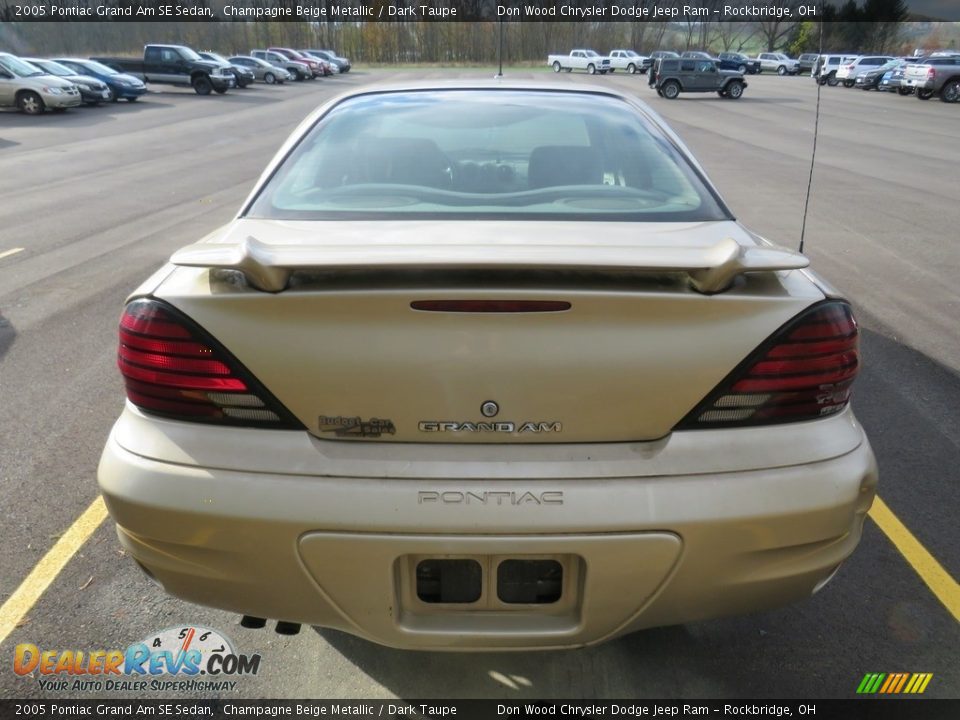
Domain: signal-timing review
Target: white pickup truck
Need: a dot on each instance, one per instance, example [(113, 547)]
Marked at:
[(587, 60), (632, 62)]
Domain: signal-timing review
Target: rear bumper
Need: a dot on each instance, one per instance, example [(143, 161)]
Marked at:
[(636, 551)]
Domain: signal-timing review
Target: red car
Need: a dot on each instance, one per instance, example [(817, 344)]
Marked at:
[(315, 65)]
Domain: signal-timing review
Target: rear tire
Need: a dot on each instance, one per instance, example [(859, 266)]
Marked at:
[(950, 93), (30, 103), (832, 80), (670, 90), (924, 94), (903, 91), (202, 85), (557, 67), (849, 83)]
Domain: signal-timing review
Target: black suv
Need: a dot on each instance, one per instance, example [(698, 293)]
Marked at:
[(671, 77)]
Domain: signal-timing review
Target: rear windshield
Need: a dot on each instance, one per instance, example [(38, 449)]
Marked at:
[(486, 154)]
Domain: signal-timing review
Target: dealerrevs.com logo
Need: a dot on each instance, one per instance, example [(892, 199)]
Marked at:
[(181, 658)]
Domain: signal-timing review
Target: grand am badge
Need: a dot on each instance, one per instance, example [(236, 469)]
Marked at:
[(434, 426), (356, 426)]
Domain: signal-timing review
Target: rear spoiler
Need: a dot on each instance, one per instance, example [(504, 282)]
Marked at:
[(268, 267)]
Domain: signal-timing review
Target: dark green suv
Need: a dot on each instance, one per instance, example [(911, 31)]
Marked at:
[(672, 76)]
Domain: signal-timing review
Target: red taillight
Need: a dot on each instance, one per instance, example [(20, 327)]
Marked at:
[(171, 367), (803, 372), (931, 73)]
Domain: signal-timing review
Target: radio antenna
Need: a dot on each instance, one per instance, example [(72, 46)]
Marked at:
[(500, 48), (816, 128)]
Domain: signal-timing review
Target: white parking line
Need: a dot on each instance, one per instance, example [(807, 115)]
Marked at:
[(8, 253)]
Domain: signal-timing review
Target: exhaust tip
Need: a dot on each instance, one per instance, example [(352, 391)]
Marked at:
[(287, 628), (254, 623)]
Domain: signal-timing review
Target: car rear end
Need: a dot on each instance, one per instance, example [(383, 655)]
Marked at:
[(353, 409)]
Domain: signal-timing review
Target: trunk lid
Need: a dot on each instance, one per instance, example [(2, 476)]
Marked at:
[(343, 348)]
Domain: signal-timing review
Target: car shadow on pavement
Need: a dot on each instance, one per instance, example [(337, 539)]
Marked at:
[(7, 335), (82, 116)]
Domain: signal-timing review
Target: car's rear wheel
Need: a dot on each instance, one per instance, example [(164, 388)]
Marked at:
[(735, 90), (269, 78), (849, 83), (903, 91), (781, 70), (924, 94), (591, 69), (202, 85), (30, 103), (670, 90), (950, 92), (556, 67), (832, 80), (632, 69)]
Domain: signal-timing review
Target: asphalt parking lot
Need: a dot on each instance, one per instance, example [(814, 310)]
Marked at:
[(93, 200)]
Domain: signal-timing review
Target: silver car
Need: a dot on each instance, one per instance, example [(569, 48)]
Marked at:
[(532, 392), (262, 70), (32, 90)]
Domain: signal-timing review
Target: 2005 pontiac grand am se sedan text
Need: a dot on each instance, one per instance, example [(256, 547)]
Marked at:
[(487, 366)]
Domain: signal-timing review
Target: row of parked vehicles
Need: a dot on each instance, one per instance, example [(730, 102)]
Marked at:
[(37, 84), (633, 62), (937, 74)]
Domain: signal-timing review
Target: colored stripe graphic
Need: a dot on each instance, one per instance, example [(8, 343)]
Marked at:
[(894, 683)]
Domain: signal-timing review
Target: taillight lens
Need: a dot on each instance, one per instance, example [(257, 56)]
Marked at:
[(803, 372), (173, 368)]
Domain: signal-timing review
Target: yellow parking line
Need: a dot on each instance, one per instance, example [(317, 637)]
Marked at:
[(930, 571), (8, 253), (16, 607)]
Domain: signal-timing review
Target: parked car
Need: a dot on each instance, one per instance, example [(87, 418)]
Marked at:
[(847, 72), (244, 76), (739, 62), (825, 71), (32, 90), (778, 63), (342, 64), (893, 80), (806, 62), (92, 91), (871, 79), (261, 69), (935, 75), (299, 70), (588, 60), (120, 85), (629, 60), (340, 411), (315, 65), (673, 76), (175, 65)]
